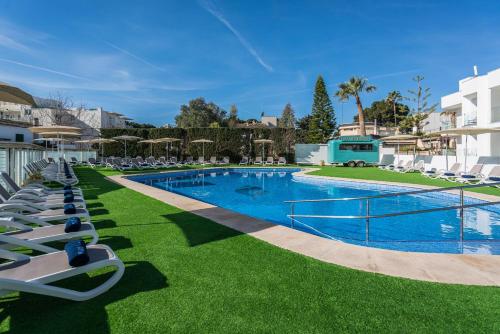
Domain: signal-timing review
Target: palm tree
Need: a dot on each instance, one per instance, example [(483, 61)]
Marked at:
[(353, 88), (394, 98)]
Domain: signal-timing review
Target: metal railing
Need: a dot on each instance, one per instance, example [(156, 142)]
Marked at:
[(293, 216)]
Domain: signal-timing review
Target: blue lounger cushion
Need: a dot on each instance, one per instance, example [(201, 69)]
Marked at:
[(494, 178), (72, 224), (76, 250), (449, 174), (67, 187), (69, 198), (468, 176), (68, 192), (69, 209)]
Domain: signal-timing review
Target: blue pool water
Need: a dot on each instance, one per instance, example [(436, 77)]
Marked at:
[(262, 193)]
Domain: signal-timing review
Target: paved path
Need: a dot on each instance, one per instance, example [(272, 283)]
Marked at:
[(443, 268)]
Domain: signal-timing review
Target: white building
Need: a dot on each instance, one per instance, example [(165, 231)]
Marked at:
[(14, 131), (476, 104), (269, 121), (89, 120), (433, 122), (353, 129)]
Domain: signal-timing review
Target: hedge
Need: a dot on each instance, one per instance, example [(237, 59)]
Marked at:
[(231, 142)]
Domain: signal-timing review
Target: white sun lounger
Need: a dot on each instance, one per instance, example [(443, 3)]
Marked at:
[(39, 217), (493, 176), (450, 174), (22, 235), (34, 188), (33, 273), (37, 202), (474, 175)]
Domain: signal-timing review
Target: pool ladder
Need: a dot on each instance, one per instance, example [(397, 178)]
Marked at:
[(293, 216)]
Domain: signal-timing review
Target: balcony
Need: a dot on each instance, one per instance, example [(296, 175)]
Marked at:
[(470, 120)]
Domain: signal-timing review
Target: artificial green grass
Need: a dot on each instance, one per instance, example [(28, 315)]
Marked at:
[(374, 173), (186, 274)]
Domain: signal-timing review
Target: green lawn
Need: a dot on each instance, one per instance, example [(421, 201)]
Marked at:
[(374, 173), (186, 274)]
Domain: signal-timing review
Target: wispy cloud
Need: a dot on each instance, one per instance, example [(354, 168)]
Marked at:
[(210, 7), (130, 54), (43, 69), (10, 43), (394, 74)]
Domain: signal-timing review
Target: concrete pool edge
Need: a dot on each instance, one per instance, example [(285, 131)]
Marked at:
[(433, 267)]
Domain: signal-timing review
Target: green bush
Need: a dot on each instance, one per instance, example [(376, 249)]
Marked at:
[(231, 142)]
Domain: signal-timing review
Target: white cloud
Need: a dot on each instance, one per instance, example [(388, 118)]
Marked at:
[(210, 7), (130, 54), (43, 69)]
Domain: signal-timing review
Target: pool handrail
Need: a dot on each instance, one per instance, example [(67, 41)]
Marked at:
[(395, 194), (293, 217)]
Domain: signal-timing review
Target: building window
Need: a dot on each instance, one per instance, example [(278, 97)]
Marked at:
[(356, 147), (19, 137)]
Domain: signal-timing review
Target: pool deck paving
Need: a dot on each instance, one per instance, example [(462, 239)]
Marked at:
[(433, 267)]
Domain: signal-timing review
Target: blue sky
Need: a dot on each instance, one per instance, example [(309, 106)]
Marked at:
[(146, 58)]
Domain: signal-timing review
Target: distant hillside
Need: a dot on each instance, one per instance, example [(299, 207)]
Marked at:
[(13, 94), (45, 103)]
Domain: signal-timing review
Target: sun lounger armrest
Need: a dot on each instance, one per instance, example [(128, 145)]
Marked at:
[(25, 243), (17, 206), (13, 256)]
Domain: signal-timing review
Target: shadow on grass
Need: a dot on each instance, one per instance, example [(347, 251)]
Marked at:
[(103, 223), (116, 242), (196, 225), (199, 231), (30, 313)]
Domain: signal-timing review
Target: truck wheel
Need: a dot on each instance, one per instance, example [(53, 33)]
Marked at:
[(351, 164), (361, 164)]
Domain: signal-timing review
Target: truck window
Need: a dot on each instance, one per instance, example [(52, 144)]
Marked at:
[(356, 147)]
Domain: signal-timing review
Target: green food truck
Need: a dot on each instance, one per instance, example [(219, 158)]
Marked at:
[(353, 151)]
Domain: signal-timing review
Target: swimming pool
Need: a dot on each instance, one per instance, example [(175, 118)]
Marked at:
[(262, 192)]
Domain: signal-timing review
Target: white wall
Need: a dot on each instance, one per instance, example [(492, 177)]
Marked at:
[(311, 154), (9, 132)]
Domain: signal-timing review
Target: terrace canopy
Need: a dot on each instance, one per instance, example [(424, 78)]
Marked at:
[(467, 131), (203, 141), (151, 142), (263, 142), (402, 139), (167, 141), (126, 138), (102, 141)]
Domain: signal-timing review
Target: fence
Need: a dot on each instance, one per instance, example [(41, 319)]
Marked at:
[(13, 156)]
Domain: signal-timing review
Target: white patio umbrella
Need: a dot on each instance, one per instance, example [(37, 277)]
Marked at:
[(168, 143), (60, 134), (402, 139), (263, 142), (203, 141), (151, 142), (101, 142), (84, 141), (126, 138), (468, 131)]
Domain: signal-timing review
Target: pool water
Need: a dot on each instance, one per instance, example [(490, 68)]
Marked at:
[(262, 192)]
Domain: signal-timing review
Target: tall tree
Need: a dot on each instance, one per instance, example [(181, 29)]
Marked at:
[(421, 107), (287, 119), (233, 117), (322, 122), (354, 87), (199, 114), (393, 98), (382, 112)]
